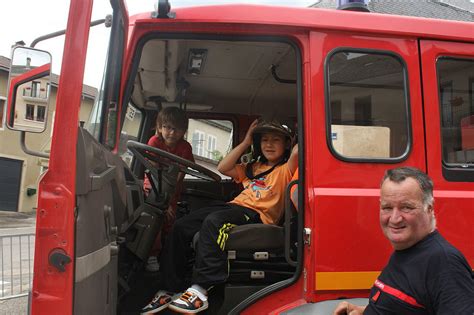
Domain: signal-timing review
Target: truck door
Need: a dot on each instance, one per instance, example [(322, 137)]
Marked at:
[(100, 187), (365, 117), (448, 86), (75, 269)]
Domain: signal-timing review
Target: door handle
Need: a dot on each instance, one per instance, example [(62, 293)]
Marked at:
[(58, 258)]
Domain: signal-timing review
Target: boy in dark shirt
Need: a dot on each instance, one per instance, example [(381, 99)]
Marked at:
[(171, 126)]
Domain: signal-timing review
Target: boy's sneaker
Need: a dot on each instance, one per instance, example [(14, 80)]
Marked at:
[(190, 302), (152, 264), (161, 301)]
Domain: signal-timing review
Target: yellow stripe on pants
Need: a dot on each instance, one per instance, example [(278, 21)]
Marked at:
[(224, 234)]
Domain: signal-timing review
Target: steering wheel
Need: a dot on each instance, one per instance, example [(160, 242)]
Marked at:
[(145, 153)]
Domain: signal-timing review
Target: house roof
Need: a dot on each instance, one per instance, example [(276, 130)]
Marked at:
[(458, 10), (87, 90), (4, 63)]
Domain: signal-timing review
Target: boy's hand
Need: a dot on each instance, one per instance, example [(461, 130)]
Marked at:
[(170, 214), (248, 135), (227, 164)]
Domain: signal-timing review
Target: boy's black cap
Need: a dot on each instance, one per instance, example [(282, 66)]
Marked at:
[(273, 127)]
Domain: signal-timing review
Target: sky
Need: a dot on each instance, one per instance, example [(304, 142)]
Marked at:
[(28, 19)]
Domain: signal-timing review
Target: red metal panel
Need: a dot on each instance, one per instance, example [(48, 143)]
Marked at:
[(343, 197), (53, 290), (315, 18), (341, 203), (454, 206)]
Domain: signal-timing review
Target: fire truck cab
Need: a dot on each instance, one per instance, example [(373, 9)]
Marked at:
[(361, 92)]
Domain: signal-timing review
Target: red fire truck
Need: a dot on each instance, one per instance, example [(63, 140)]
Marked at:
[(363, 92)]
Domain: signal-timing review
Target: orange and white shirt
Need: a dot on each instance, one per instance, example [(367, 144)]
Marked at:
[(266, 195)]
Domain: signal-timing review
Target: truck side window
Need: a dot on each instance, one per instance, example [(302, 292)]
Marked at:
[(367, 106), (456, 106)]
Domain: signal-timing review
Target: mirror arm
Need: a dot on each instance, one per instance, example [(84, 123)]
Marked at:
[(28, 151), (107, 21)]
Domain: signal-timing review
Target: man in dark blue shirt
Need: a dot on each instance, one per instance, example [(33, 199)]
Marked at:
[(425, 274)]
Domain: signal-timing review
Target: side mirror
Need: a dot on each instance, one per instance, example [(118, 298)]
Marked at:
[(29, 85)]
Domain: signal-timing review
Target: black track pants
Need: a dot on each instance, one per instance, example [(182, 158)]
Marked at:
[(211, 261), (211, 266)]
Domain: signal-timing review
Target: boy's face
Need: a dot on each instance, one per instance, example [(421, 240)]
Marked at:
[(273, 147), (170, 134)]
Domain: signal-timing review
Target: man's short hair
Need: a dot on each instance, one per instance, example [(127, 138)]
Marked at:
[(173, 115), (399, 174)]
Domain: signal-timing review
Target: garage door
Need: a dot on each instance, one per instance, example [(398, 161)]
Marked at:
[(10, 180)]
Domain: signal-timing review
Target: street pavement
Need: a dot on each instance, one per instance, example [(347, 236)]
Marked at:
[(12, 225), (11, 220), (16, 306)]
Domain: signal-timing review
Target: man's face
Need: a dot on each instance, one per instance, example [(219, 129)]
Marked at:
[(403, 217)]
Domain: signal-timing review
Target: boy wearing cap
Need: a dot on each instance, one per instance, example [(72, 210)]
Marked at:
[(262, 201)]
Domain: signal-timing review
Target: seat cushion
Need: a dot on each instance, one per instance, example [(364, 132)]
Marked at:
[(256, 237)]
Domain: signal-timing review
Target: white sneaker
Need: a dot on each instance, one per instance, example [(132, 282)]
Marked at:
[(190, 302), (152, 264), (160, 301)]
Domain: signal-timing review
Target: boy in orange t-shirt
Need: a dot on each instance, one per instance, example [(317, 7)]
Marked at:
[(262, 201)]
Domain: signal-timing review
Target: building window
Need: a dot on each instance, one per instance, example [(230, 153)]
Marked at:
[(30, 112), (35, 89), (198, 143), (40, 112), (367, 105), (2, 111), (211, 147), (456, 86)]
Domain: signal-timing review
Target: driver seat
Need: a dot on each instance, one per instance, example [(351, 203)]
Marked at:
[(262, 253)]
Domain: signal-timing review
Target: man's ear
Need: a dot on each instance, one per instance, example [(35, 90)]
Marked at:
[(430, 209)]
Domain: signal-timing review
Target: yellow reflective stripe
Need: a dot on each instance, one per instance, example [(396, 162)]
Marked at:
[(224, 239), (345, 280), (220, 234), (223, 235), (222, 231)]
